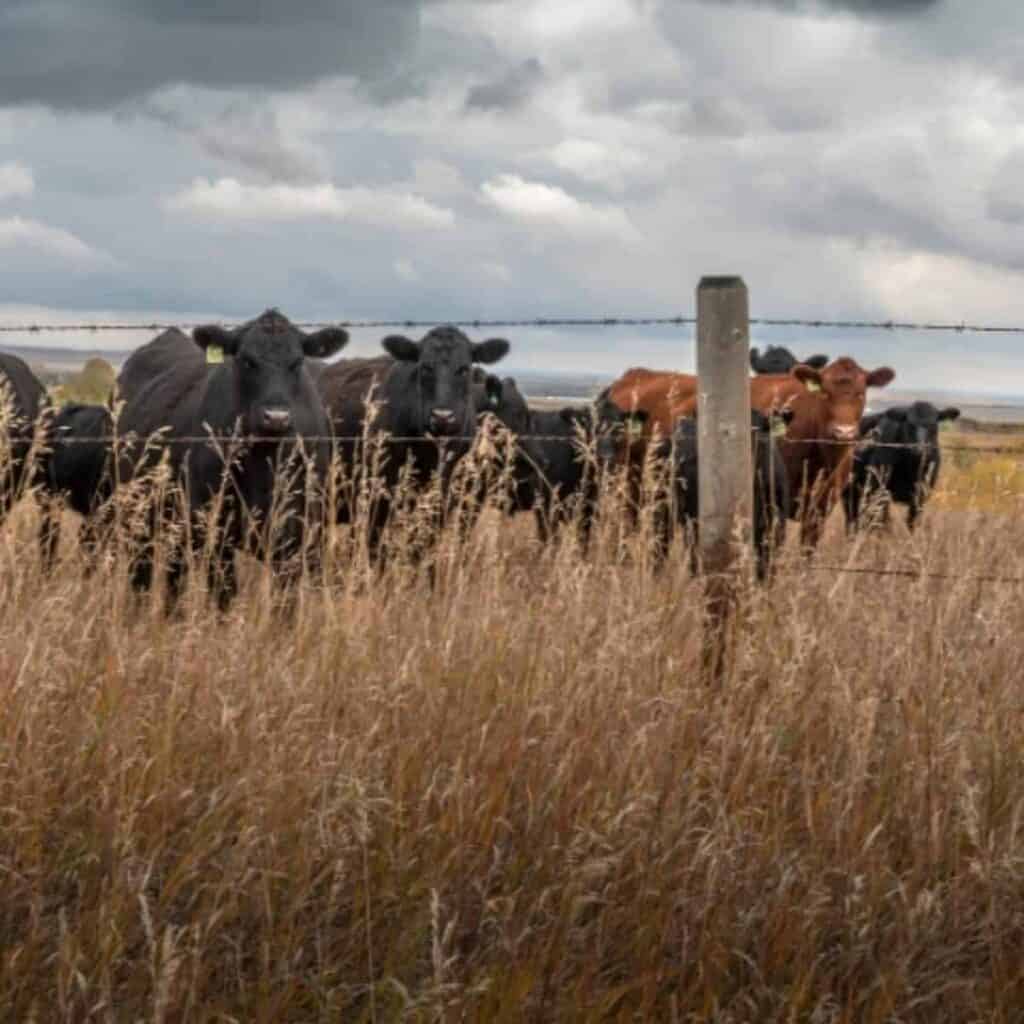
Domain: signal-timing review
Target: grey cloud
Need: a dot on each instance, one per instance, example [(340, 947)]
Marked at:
[(1004, 199), (867, 8), (69, 54), (245, 132), (508, 91)]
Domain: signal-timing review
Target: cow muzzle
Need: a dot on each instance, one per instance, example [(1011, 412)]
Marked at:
[(275, 421), (443, 423), (847, 434)]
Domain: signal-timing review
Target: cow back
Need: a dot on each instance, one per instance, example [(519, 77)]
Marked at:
[(25, 393)]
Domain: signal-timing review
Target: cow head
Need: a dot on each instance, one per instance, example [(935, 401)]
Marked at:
[(775, 360), (843, 388), (267, 365), (920, 422), (615, 429), (445, 402)]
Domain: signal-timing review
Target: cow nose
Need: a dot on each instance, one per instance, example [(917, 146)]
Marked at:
[(844, 433), (442, 421), (276, 421)]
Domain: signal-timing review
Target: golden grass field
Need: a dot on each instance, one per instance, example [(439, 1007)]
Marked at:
[(512, 798)]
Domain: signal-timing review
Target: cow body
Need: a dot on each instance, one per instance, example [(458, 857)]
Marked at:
[(825, 423), (266, 425), (22, 401), (426, 408), (770, 490), (905, 474), (78, 470)]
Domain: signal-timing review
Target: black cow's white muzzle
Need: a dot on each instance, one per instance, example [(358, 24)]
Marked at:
[(275, 421)]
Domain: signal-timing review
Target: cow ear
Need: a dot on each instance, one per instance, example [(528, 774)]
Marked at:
[(399, 347), (868, 423), (325, 343), (817, 362), (880, 377), (806, 374), (952, 413), (755, 359), (490, 351), (897, 413), (215, 336), (786, 414)]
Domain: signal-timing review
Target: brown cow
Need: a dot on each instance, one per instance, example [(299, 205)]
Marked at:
[(659, 393), (819, 442)]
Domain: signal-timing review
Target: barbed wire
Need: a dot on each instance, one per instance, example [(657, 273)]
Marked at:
[(912, 573), (128, 438), (678, 320)]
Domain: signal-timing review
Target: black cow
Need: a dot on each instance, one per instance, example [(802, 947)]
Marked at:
[(771, 489), (906, 475), (252, 384), (776, 359), (24, 405), (561, 456), (22, 401), (78, 470), (427, 403)]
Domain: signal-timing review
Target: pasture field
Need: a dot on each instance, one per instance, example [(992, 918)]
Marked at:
[(511, 798)]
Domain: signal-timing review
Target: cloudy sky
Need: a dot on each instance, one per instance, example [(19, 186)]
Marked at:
[(432, 159)]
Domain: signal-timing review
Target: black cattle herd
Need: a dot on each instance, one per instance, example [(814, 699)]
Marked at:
[(221, 413)]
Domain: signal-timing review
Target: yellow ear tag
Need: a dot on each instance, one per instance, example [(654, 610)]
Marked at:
[(812, 385), (214, 354), (778, 426)]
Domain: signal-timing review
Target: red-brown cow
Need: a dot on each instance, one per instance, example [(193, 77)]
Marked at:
[(819, 442)]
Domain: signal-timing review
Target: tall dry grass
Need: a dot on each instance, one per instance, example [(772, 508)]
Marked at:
[(510, 796)]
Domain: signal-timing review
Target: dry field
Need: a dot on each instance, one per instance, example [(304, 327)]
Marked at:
[(511, 798)]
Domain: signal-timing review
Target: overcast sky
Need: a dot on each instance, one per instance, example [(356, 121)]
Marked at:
[(428, 159)]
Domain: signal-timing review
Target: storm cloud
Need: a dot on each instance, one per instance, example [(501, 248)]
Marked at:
[(75, 55), (508, 91)]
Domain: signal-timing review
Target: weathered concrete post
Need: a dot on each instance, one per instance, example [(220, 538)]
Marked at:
[(724, 455)]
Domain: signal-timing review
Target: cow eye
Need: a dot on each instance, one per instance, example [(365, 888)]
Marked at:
[(249, 363)]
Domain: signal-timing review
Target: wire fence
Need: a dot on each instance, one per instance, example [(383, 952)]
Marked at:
[(678, 320), (861, 444)]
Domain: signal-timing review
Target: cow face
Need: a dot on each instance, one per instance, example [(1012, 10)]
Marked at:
[(921, 422), (843, 387), (267, 365), (444, 402)]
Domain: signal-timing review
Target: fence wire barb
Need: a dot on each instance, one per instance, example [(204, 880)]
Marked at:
[(677, 320), (155, 440), (913, 573)]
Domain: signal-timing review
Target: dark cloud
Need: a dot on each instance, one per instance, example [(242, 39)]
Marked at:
[(868, 8), (509, 91), (77, 55), (244, 132)]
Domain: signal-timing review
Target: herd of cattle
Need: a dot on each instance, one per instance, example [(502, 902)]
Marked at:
[(222, 413)]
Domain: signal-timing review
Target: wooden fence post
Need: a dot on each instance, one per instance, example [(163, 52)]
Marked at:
[(725, 477)]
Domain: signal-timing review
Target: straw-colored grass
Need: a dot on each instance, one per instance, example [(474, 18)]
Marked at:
[(511, 797)]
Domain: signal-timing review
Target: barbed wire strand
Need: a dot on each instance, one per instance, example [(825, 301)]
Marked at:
[(960, 327), (154, 439), (913, 573)]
